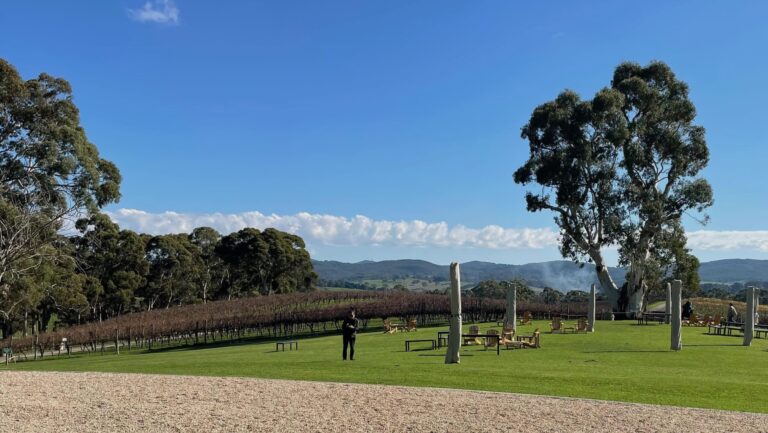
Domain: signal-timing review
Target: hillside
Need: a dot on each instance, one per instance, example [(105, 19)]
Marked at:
[(734, 270), (562, 275)]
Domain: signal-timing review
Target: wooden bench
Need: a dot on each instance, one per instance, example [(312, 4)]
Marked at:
[(290, 344), (408, 344)]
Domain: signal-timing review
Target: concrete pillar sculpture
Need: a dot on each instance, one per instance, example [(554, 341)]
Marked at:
[(676, 319), (668, 305), (749, 317), (511, 319), (454, 338), (757, 306), (591, 311)]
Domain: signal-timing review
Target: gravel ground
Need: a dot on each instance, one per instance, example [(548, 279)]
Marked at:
[(98, 402)]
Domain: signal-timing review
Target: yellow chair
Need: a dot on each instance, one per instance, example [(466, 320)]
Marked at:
[(581, 325), (491, 341), (474, 329), (532, 341), (556, 325), (411, 325), (527, 318)]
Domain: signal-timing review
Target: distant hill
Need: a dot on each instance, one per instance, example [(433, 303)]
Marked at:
[(562, 275), (734, 271)]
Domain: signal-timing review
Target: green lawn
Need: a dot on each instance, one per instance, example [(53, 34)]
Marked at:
[(621, 361)]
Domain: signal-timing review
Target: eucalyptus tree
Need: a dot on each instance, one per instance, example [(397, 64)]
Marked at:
[(213, 272), (174, 266), (266, 262), (245, 256), (618, 170), (49, 171), (60, 287), (115, 259), (290, 265)]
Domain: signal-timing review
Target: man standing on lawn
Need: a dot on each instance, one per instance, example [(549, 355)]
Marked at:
[(349, 333)]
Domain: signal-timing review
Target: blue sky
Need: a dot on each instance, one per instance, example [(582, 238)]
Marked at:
[(383, 129)]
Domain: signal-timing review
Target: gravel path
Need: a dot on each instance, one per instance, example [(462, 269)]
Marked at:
[(96, 402)]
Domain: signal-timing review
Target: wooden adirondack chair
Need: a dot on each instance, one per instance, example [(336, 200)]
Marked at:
[(556, 325), (491, 342), (411, 325), (474, 329), (526, 341), (507, 334), (527, 318), (388, 328), (581, 325)]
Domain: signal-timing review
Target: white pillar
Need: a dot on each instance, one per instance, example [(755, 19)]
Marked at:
[(757, 306), (668, 306), (591, 311), (454, 338), (512, 306), (677, 339), (749, 317)]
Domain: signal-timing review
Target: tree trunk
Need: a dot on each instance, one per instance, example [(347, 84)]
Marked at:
[(612, 292)]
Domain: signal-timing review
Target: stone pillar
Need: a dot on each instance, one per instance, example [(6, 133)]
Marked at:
[(757, 306), (668, 306), (454, 338), (591, 311), (676, 319), (511, 319), (749, 317)]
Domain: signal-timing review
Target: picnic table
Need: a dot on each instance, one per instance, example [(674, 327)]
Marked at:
[(290, 344), (408, 343), (644, 318), (442, 336), (727, 328)]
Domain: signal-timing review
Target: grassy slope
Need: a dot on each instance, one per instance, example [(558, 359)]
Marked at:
[(621, 361)]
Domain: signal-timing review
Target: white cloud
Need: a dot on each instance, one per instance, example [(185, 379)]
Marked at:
[(319, 229), (728, 240), (335, 230), (157, 11)]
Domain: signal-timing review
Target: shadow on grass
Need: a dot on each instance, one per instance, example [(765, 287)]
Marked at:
[(712, 345), (630, 351), (244, 341)]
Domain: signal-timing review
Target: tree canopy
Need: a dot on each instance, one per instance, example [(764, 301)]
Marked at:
[(48, 171), (51, 173), (620, 170)]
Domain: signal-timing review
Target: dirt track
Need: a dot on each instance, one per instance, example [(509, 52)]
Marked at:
[(97, 402)]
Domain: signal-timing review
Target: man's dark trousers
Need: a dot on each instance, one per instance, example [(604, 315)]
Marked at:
[(349, 340)]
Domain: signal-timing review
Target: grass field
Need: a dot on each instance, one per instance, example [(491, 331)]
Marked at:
[(621, 361)]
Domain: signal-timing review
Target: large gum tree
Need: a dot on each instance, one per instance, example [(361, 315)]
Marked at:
[(49, 172), (619, 170)]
